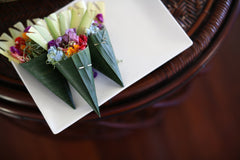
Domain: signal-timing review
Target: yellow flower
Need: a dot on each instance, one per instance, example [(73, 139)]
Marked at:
[(69, 52), (72, 50), (76, 48)]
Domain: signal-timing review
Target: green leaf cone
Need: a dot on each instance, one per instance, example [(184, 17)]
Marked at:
[(77, 69), (49, 77), (103, 57)]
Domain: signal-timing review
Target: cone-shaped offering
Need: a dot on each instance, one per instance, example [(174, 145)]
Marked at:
[(31, 56), (49, 77), (70, 55), (100, 46), (103, 57), (77, 69)]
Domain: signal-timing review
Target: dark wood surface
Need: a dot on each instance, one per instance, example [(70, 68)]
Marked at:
[(203, 126)]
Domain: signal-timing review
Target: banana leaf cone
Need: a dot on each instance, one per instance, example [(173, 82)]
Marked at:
[(103, 57), (49, 77), (77, 69)]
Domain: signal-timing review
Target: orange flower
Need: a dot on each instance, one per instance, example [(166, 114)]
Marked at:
[(72, 50), (76, 48), (69, 52), (23, 47), (24, 36)]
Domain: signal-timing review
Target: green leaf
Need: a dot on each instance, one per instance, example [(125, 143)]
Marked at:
[(36, 37), (64, 21), (35, 20), (86, 22), (103, 57), (101, 7), (77, 15), (42, 23), (19, 26), (98, 6), (81, 4), (6, 42), (77, 70), (29, 23), (15, 33), (6, 37), (44, 32), (49, 77), (53, 25)]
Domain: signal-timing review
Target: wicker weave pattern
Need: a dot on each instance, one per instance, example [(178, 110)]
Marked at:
[(186, 12)]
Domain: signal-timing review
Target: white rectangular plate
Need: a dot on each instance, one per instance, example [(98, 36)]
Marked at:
[(144, 36)]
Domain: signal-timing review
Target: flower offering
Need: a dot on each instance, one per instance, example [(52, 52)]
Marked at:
[(100, 46), (69, 53), (31, 56), (65, 46)]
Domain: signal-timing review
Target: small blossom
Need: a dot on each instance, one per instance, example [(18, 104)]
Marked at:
[(18, 57), (82, 42), (23, 47), (100, 17), (27, 29), (14, 50), (72, 35), (54, 55), (94, 73), (24, 36), (52, 43), (58, 41), (19, 41)]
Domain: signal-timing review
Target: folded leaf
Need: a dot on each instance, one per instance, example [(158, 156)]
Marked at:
[(64, 19), (103, 57), (81, 4), (15, 33), (19, 26), (49, 77), (53, 25), (77, 69), (29, 23), (86, 21), (36, 37), (44, 32), (7, 55), (6, 41), (77, 15)]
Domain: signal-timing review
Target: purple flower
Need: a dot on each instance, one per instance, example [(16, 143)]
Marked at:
[(65, 39), (100, 26), (100, 17), (26, 29), (52, 43), (60, 42), (71, 30), (94, 73), (72, 35), (14, 50)]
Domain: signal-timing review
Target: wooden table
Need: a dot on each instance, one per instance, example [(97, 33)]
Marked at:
[(166, 117)]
